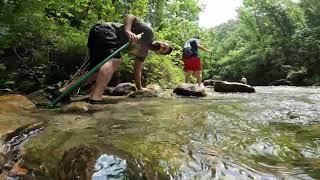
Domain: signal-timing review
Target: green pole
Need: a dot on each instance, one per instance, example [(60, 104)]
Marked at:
[(87, 75)]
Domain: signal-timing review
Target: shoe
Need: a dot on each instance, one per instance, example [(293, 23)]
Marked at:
[(53, 95), (91, 101)]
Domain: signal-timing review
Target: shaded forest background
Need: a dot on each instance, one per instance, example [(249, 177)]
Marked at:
[(43, 42)]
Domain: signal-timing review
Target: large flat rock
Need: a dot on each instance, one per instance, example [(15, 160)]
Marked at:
[(224, 86)]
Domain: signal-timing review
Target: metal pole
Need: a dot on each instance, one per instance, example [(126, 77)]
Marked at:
[(87, 75)]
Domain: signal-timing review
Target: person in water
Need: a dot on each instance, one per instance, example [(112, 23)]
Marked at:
[(243, 80), (104, 39), (191, 59)]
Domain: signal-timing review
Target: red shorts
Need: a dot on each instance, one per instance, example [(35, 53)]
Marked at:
[(192, 64)]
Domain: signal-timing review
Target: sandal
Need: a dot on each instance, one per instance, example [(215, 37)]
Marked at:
[(91, 101)]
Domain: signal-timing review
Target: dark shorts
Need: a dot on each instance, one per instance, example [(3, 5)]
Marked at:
[(103, 40), (192, 64)]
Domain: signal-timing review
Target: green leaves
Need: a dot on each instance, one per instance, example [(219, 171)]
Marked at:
[(268, 35)]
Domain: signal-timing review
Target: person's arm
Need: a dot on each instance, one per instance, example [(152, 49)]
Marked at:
[(203, 48), (129, 20), (138, 67)]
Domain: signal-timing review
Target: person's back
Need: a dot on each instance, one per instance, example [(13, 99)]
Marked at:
[(191, 60), (190, 48), (111, 34)]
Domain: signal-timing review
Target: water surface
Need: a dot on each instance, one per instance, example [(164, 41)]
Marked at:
[(271, 134)]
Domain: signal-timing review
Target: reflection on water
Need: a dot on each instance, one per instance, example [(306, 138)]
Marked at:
[(271, 134), (109, 167), (266, 135), (228, 170)]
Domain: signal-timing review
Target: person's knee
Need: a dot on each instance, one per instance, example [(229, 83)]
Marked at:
[(110, 66)]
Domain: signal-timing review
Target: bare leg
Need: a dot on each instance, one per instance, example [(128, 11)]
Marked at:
[(199, 77), (138, 66), (188, 74), (103, 78), (93, 77)]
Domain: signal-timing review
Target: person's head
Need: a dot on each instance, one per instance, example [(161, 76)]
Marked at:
[(161, 47)]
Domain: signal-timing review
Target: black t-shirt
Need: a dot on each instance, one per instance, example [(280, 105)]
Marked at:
[(117, 35)]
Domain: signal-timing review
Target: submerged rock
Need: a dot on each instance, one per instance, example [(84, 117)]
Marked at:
[(80, 107), (78, 162), (122, 89), (224, 86), (190, 90)]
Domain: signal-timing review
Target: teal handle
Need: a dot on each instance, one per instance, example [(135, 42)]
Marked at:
[(87, 75)]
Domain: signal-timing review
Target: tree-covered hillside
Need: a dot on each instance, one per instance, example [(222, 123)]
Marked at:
[(43, 42)]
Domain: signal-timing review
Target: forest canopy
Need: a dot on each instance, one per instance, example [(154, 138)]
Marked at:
[(44, 41)]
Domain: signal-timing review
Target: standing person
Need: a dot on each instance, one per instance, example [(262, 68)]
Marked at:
[(104, 39), (244, 80), (191, 60)]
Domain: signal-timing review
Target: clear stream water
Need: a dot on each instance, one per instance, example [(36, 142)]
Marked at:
[(271, 134)]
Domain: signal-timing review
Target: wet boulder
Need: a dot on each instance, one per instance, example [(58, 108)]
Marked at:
[(122, 89), (298, 78), (154, 87), (15, 112), (281, 82), (190, 90), (224, 86), (151, 90), (5, 91), (208, 82), (15, 103)]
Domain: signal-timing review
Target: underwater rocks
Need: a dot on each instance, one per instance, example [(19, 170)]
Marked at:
[(10, 154), (224, 86), (190, 90), (78, 162), (80, 107)]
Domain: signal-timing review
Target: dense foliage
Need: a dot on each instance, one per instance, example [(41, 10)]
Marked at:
[(272, 40), (44, 41)]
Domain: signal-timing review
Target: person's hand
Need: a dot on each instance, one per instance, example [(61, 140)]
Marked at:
[(133, 37)]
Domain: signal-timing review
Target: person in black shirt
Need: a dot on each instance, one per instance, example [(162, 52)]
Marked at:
[(104, 39)]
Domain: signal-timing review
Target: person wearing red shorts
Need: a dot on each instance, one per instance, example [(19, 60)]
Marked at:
[(191, 60)]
